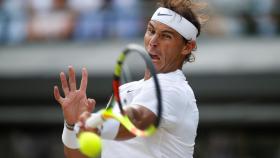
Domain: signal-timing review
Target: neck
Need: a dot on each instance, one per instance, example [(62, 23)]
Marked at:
[(147, 74)]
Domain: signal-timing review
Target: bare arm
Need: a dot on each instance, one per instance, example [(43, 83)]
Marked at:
[(140, 116), (73, 153), (73, 103)]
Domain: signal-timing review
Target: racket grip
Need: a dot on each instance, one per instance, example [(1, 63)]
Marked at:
[(94, 120)]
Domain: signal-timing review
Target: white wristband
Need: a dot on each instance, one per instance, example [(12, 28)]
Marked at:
[(69, 138), (110, 129)]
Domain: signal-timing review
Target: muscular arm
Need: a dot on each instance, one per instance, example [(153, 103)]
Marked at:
[(73, 153), (140, 116)]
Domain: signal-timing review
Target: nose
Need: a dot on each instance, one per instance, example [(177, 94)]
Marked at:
[(154, 40)]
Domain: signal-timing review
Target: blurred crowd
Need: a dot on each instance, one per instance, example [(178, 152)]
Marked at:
[(40, 20), (244, 18), (80, 20)]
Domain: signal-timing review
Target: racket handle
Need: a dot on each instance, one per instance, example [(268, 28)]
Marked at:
[(94, 120)]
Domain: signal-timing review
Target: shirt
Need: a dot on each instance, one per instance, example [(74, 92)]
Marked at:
[(176, 134)]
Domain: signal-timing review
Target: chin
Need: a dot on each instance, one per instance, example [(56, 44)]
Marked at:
[(157, 67), (158, 70)]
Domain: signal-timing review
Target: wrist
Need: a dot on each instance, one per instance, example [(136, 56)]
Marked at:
[(69, 138), (69, 126)]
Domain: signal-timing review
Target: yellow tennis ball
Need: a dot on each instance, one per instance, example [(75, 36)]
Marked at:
[(90, 144)]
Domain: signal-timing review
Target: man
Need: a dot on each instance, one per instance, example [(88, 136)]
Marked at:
[(170, 39)]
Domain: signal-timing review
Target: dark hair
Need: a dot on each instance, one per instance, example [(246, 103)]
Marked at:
[(185, 9)]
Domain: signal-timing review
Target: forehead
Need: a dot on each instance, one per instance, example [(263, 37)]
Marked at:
[(158, 26)]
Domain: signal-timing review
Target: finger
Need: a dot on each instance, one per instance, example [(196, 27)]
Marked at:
[(83, 86), (83, 117), (82, 123), (64, 83), (57, 95), (83, 102), (72, 79), (91, 105)]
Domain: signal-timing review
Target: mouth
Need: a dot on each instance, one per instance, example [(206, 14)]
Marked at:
[(154, 57)]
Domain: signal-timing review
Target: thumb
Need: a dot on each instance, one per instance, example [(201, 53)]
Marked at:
[(91, 104)]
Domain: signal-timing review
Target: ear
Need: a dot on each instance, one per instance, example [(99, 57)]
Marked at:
[(189, 46)]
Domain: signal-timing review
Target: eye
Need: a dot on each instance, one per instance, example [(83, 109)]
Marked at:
[(151, 30), (166, 36)]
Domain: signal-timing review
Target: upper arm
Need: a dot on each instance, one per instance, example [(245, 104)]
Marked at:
[(141, 109)]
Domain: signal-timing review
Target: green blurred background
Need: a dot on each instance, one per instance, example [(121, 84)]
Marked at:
[(235, 77)]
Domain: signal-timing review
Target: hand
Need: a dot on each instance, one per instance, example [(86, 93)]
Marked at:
[(82, 123), (75, 101)]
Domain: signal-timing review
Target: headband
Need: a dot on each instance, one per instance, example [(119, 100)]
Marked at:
[(176, 22)]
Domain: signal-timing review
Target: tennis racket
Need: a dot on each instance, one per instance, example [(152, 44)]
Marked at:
[(119, 78)]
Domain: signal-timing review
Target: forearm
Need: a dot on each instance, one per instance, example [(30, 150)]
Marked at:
[(69, 139), (73, 153), (124, 134), (140, 116)]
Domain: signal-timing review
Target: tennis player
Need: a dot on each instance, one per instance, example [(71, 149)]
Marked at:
[(170, 39)]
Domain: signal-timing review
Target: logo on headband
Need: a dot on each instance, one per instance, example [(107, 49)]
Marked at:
[(162, 14), (183, 26)]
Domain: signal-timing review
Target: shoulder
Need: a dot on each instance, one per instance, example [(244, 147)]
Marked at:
[(174, 84), (130, 85)]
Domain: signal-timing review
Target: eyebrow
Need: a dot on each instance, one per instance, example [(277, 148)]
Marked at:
[(169, 32), (151, 25), (164, 31)]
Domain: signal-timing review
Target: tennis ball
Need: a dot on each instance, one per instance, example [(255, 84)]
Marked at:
[(90, 144)]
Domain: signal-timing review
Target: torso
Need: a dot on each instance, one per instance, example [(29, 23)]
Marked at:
[(176, 135)]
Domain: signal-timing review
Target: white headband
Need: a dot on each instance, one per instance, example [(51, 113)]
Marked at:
[(176, 22)]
